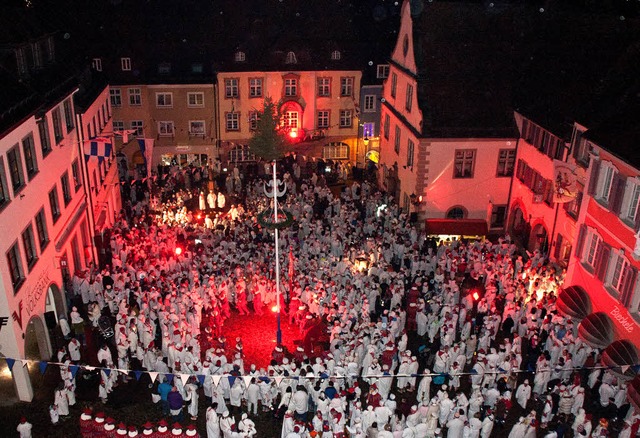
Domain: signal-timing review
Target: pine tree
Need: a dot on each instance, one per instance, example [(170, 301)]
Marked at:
[(269, 141)]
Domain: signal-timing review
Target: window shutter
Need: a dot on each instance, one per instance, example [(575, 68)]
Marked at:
[(602, 260), (582, 234), (595, 173), (630, 276), (556, 251), (618, 185)]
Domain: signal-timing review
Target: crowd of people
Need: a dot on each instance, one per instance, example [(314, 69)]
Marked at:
[(400, 335)]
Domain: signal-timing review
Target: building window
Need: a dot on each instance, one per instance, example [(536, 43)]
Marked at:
[(231, 88), (135, 96), (197, 67), (323, 119), (580, 147), (96, 64), (324, 87), (506, 162), (335, 151), (241, 153), (410, 152), (290, 119), (369, 103), (116, 97), (240, 57), (629, 211), (290, 87), (30, 160), (346, 118), (41, 228), (335, 55), (15, 267), (232, 121), (15, 169), (166, 128), (383, 71), (118, 125), (498, 215), (465, 163), (53, 203), (620, 267), (386, 126), (68, 115), (291, 58), (409, 98), (29, 246), (164, 100), (592, 250), (394, 84), (346, 86), (456, 213), (75, 173), (195, 100), (138, 126), (164, 68), (396, 140), (255, 87), (573, 207), (66, 189), (57, 124), (4, 191), (43, 132), (543, 140), (197, 127), (125, 64), (253, 120), (368, 130)]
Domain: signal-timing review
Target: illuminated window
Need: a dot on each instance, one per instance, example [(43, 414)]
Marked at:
[(290, 119)]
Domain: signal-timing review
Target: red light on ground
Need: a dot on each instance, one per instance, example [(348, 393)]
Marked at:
[(476, 296), (178, 251), (199, 216), (293, 134)]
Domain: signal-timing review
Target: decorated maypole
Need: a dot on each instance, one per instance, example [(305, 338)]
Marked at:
[(269, 143)]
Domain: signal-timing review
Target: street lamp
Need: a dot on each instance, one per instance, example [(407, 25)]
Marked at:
[(362, 263)]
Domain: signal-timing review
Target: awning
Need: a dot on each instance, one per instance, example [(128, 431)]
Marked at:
[(622, 356), (574, 301), (597, 330), (456, 227)]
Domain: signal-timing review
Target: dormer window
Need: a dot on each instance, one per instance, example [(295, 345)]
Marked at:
[(125, 64), (291, 58), (240, 56), (335, 55), (96, 64), (164, 68)]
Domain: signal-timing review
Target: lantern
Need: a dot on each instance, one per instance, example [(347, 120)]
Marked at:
[(622, 356), (362, 263)]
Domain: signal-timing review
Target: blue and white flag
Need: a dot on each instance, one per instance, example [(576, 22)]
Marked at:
[(97, 147)]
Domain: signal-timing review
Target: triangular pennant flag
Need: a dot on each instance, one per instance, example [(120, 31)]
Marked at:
[(74, 370), (278, 380), (43, 366), (247, 380), (169, 378), (10, 362), (625, 368), (184, 378), (201, 379), (107, 371), (153, 375), (137, 373), (216, 379)]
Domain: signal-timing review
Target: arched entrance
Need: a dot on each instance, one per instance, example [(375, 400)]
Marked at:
[(539, 239), (518, 226), (36, 340)]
